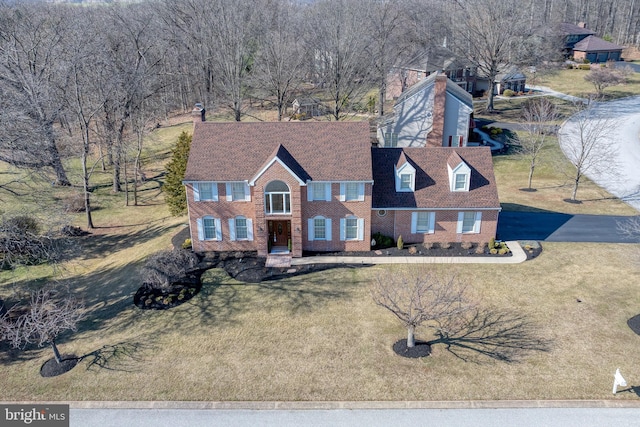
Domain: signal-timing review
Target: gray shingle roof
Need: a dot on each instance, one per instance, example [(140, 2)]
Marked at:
[(571, 29)]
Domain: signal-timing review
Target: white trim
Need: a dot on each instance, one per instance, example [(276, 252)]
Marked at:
[(476, 224), (360, 229), (463, 169), (196, 191), (229, 191), (405, 169), (232, 229), (326, 197), (218, 225), (253, 180), (249, 229), (200, 229)]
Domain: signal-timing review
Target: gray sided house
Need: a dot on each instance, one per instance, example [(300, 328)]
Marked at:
[(434, 112)]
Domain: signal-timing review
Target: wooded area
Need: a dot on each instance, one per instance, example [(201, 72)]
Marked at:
[(76, 80)]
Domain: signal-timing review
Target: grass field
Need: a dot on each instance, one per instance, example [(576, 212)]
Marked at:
[(319, 336)]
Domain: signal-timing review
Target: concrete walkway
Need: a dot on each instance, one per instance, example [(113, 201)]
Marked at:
[(517, 257)]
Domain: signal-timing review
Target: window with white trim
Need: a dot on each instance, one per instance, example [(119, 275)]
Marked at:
[(240, 228), (405, 181), (390, 139), (238, 191), (423, 222), (319, 228), (469, 222), (351, 228), (319, 192), (205, 191), (460, 182), (351, 191), (209, 228), (277, 198), (405, 177)]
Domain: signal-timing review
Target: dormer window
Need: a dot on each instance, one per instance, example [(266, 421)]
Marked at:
[(405, 177), (460, 182), (459, 173)]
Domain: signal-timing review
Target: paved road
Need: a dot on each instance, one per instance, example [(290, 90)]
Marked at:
[(558, 227), (508, 417)]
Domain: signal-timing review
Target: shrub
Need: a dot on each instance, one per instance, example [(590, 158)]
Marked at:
[(480, 248), (493, 251), (466, 245), (508, 93), (174, 189), (186, 244), (400, 243), (73, 203), (165, 268), (427, 245), (413, 250), (584, 67), (502, 251), (445, 245), (492, 243), (382, 241)]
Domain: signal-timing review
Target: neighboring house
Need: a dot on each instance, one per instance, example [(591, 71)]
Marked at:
[(310, 107), (511, 78), (435, 112), (596, 50), (572, 34), (582, 43), (320, 186), (433, 60)]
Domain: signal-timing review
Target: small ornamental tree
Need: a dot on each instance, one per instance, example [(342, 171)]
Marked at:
[(175, 194), (40, 318), (538, 116), (603, 77), (417, 296)]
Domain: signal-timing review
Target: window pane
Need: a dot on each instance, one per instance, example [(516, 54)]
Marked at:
[(468, 222), (318, 191), (209, 226), (422, 224), (241, 228), (277, 203), (237, 189), (405, 181), (461, 181), (319, 229), (351, 191), (206, 191), (352, 228)]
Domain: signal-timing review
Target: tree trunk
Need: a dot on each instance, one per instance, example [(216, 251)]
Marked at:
[(56, 353), (411, 340), (574, 194), (490, 95), (533, 166), (56, 164)]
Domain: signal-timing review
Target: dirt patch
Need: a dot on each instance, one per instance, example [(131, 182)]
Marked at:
[(421, 349), (51, 368)]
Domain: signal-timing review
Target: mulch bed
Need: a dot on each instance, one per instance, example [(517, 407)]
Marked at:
[(150, 298), (419, 250), (421, 349), (51, 368)]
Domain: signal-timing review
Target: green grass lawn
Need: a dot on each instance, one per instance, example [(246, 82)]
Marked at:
[(572, 82), (320, 336)]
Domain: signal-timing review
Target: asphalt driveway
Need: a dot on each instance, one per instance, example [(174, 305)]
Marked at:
[(558, 227)]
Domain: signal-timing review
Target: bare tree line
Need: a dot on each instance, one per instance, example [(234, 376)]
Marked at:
[(84, 82)]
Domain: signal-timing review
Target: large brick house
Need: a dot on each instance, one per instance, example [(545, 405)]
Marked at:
[(321, 186)]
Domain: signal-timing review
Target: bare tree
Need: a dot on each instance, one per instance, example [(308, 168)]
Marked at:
[(603, 77), (417, 296), (32, 38), (538, 116), (339, 47), (279, 62), (41, 318), (491, 35), (584, 140), (165, 268)]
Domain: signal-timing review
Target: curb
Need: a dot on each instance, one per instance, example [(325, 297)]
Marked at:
[(347, 405)]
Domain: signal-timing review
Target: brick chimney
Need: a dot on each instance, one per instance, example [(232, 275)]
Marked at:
[(582, 24), (434, 138)]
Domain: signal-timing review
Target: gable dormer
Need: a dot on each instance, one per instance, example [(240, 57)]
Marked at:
[(459, 173), (405, 175)]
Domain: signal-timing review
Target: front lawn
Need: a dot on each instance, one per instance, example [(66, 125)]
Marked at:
[(320, 337)]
